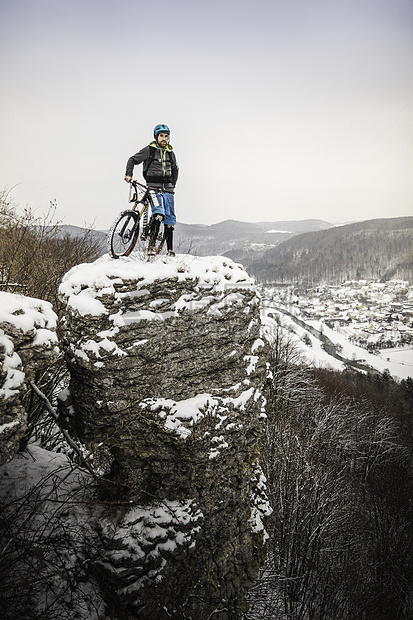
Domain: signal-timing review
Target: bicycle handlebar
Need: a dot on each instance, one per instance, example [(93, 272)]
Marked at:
[(135, 183)]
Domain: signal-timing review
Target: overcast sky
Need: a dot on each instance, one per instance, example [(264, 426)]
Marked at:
[(278, 109)]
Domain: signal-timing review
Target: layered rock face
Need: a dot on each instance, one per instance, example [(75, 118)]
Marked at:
[(166, 365), (27, 347)]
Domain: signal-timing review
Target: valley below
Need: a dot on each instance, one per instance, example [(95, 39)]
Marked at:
[(366, 326)]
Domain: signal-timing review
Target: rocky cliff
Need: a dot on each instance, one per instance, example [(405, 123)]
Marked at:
[(27, 347), (167, 366)]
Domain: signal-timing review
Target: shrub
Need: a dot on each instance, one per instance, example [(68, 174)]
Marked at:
[(35, 253)]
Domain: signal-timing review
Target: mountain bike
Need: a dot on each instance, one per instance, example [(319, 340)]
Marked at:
[(124, 232)]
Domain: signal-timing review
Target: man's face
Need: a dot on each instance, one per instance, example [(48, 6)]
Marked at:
[(163, 139)]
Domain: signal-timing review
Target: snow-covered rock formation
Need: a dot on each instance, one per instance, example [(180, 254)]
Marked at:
[(167, 366), (27, 346)]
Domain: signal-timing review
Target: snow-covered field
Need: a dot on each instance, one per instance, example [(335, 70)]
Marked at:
[(399, 356)]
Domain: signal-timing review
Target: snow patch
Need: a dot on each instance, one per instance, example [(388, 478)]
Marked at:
[(181, 416), (30, 316)]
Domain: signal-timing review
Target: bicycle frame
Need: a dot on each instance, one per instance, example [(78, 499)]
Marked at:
[(125, 229), (145, 199)]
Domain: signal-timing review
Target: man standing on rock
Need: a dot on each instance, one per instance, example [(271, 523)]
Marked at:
[(160, 170)]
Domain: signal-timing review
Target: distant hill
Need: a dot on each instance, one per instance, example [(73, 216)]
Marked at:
[(379, 249), (306, 251), (243, 239), (97, 236), (240, 239)]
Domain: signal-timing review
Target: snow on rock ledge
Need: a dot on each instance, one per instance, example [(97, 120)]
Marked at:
[(27, 345), (167, 365)]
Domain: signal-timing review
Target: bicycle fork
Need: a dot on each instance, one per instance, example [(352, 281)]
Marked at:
[(125, 233)]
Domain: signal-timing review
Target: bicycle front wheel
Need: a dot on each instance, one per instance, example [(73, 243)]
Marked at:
[(123, 234)]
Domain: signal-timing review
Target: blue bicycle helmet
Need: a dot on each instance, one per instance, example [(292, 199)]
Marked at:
[(160, 129)]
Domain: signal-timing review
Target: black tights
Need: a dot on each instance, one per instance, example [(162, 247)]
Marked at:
[(169, 233)]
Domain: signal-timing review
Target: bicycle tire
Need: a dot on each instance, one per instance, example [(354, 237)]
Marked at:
[(123, 234)]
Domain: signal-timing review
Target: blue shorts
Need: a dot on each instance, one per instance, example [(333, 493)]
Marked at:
[(163, 203)]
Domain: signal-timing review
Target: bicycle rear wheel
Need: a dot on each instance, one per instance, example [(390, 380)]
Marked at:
[(160, 242), (156, 247), (123, 234)]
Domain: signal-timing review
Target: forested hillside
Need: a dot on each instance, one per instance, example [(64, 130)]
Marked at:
[(375, 249), (336, 452)]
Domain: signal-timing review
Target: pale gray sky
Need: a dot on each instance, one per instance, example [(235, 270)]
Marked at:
[(278, 109)]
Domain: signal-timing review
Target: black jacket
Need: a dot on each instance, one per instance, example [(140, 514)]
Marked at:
[(163, 170)]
